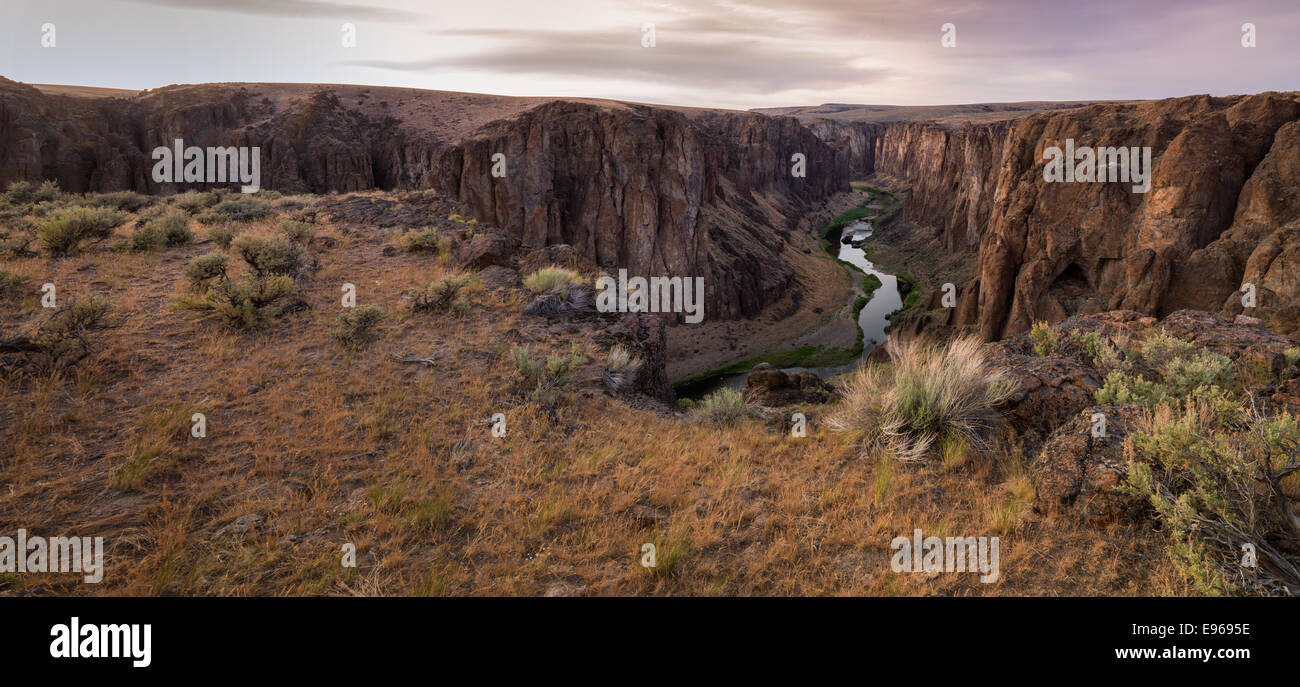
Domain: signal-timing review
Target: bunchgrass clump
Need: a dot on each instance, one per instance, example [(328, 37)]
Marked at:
[(544, 379), (927, 395), (724, 407), (552, 277)]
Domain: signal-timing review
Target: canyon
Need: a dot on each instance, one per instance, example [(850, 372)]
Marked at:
[(685, 191)]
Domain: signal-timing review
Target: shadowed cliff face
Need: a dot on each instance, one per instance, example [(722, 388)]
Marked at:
[(1223, 209), (657, 191)]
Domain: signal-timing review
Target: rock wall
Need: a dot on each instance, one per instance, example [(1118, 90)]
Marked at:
[(1223, 210), (658, 191)]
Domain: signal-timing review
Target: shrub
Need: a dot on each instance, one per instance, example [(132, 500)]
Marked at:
[(1043, 337), (1161, 347), (11, 283), (929, 394), (1181, 376), (1215, 489), (256, 299), (222, 235), (205, 269), (552, 277), (194, 201), (172, 229), (298, 232), (14, 241), (1087, 345), (243, 209), (1121, 387), (64, 231), (126, 201), (248, 303), (269, 255), (67, 336), (357, 325), (18, 192), (444, 294), (425, 240)]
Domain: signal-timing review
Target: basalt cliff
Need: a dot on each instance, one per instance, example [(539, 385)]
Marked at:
[(1222, 211), (655, 190)]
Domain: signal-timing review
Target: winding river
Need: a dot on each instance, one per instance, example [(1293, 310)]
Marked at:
[(873, 318)]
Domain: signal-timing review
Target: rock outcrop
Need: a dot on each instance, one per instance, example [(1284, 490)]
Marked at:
[(770, 386)]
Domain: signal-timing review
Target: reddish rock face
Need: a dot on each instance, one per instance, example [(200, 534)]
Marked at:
[(1223, 209), (658, 191)]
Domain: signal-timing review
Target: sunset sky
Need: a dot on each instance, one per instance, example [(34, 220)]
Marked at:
[(717, 54)]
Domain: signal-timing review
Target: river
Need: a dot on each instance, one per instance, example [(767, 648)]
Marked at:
[(873, 319)]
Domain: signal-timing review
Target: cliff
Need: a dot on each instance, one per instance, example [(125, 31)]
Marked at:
[(1223, 210), (655, 190)]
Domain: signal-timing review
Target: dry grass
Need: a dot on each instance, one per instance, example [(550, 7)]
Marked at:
[(332, 445)]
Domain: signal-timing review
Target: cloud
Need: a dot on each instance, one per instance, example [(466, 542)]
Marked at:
[(680, 58), (311, 9)]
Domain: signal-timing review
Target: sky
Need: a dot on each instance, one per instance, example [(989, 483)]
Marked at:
[(719, 53)]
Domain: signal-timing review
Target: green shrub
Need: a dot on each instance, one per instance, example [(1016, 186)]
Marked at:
[(1121, 387), (298, 232), (256, 299), (551, 277), (64, 231), (249, 303), (1216, 487), (1088, 345), (222, 235), (928, 395), (172, 229), (205, 269), (268, 255), (357, 325), (1161, 347), (194, 201), (126, 201), (444, 294), (1181, 376), (243, 209), (18, 193), (1043, 337), (424, 241), (14, 241)]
